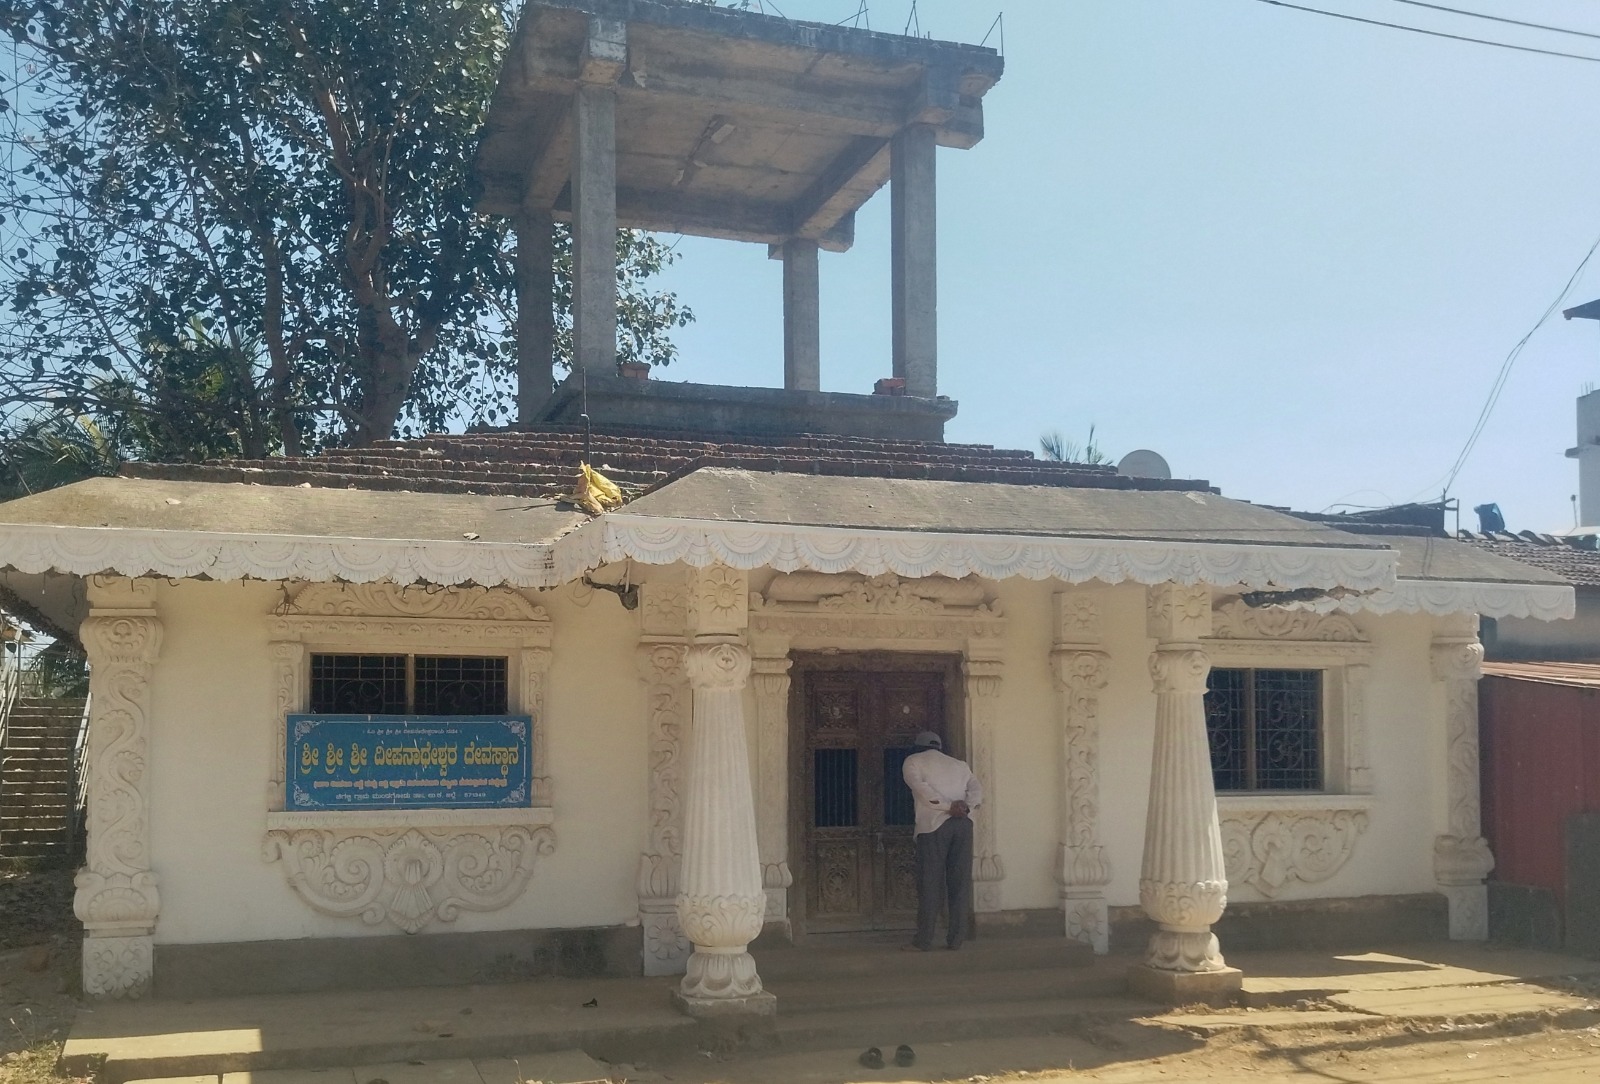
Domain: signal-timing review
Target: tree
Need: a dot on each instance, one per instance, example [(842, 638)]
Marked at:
[(234, 227), (1058, 449)]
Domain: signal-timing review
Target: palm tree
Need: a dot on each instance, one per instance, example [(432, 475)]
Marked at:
[(1058, 449)]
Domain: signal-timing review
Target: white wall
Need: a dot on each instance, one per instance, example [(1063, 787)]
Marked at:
[(211, 742), (212, 735)]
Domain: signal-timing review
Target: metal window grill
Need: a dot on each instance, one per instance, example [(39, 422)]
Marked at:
[(1264, 728), (457, 685), (833, 781), (358, 684), (408, 685)]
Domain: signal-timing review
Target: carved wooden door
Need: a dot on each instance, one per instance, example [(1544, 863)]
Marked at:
[(861, 858)]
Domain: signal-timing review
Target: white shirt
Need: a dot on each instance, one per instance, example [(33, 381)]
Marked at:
[(937, 780)]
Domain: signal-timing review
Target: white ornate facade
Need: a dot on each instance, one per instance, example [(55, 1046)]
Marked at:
[(1081, 670), (1461, 857), (408, 869)]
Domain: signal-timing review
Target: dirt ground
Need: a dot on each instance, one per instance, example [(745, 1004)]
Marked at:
[(39, 997)]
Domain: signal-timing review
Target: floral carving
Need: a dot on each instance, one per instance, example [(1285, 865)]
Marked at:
[(116, 897), (983, 677), (1180, 671), (1236, 621), (720, 600), (1083, 869), (663, 608), (1077, 617), (719, 666), (409, 878), (433, 603), (771, 681), (1271, 850), (1178, 612), (661, 665), (886, 594)]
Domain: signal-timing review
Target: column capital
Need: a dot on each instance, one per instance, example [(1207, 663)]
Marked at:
[(1179, 669), (1457, 660), (719, 601), (1178, 612), (718, 666), (661, 663)]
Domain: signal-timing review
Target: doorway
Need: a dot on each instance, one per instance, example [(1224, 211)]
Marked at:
[(860, 715)]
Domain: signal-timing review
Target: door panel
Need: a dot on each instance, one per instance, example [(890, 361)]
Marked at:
[(860, 816)]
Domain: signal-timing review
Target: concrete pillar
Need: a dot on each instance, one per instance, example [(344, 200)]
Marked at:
[(1461, 856), (802, 320), (594, 230), (536, 328), (1587, 453), (1183, 884), (721, 902), (913, 209)]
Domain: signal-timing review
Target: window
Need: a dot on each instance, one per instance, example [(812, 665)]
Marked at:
[(1265, 729), (407, 685)]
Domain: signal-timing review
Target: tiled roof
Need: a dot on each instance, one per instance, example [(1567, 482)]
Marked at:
[(543, 462), (1574, 559)]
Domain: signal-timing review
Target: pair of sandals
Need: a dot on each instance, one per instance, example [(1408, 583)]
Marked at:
[(872, 1057)]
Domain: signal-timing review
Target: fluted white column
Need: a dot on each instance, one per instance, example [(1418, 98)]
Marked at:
[(1461, 856), (720, 898), (1183, 885)]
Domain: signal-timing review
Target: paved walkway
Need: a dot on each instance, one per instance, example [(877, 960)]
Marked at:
[(1303, 1013)]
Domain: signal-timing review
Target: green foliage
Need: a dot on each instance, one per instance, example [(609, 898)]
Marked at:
[(58, 671), (239, 227), (51, 449), (1058, 449)]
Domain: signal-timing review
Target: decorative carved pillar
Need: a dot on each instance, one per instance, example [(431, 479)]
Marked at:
[(535, 675), (1461, 858), (1083, 870), (721, 902), (770, 667), (1358, 764), (288, 697), (982, 670), (1183, 882), (117, 899), (663, 612)]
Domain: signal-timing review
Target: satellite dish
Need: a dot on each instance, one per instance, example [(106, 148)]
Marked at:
[(1144, 463)]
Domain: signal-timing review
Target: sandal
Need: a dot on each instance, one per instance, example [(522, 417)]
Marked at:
[(872, 1058), (904, 1055)]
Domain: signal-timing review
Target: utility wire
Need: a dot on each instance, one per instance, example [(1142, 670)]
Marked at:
[(1430, 33), (1499, 19), (1506, 367)]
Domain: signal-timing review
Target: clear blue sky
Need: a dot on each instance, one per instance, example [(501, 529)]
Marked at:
[(1289, 253)]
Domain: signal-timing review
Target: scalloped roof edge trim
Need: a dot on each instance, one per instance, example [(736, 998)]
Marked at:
[(84, 551)]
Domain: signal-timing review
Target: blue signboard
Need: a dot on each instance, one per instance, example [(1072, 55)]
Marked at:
[(409, 762)]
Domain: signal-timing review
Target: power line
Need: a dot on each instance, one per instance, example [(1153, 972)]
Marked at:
[(1499, 19), (1506, 367), (1430, 33)]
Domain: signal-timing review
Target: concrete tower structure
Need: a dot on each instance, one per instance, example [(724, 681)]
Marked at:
[(1587, 449)]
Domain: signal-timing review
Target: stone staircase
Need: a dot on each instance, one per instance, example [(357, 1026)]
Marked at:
[(37, 777)]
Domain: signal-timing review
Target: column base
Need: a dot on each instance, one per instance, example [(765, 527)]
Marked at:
[(1087, 919), (722, 1008), (666, 949), (1469, 911), (1185, 987), (118, 967)]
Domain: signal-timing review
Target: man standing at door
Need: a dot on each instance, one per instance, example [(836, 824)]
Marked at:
[(946, 793)]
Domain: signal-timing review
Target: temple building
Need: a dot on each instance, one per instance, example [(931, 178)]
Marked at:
[(400, 714)]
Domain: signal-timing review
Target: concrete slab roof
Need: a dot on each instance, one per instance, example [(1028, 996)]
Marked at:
[(901, 504), (730, 123), (232, 508)]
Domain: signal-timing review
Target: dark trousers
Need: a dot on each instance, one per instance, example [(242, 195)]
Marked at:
[(944, 879)]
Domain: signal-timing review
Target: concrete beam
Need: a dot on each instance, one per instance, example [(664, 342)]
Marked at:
[(704, 216), (913, 212), (848, 182), (594, 230), (536, 325), (802, 321), (604, 56)]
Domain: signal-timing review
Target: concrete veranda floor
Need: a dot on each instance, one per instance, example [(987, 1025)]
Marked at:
[(544, 1031)]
